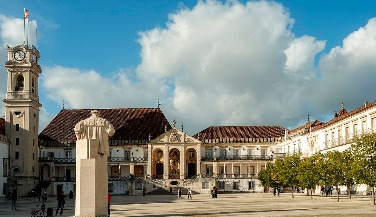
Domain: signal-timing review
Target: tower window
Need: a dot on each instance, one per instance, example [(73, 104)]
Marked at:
[(17, 141), (17, 127), (19, 83), (17, 155), (33, 85)]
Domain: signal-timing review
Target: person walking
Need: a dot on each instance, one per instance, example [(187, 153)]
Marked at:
[(14, 198), (189, 193), (60, 202)]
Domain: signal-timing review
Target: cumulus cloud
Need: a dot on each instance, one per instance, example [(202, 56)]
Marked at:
[(349, 71), (231, 63), (225, 64)]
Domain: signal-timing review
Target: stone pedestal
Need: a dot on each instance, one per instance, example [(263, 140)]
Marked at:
[(91, 179)]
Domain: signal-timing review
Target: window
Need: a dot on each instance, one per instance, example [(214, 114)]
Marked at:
[(209, 171), (221, 170), (205, 185), (355, 129), (138, 186), (17, 141), (235, 185), (17, 127), (249, 152), (191, 154), (237, 170), (221, 184), (19, 83), (251, 185), (208, 153), (263, 152), (110, 187), (5, 167), (68, 154), (17, 155), (33, 85)]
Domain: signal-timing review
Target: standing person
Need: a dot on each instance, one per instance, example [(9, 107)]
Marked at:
[(44, 195), (170, 190), (60, 202), (14, 198), (189, 193), (179, 193), (143, 191), (109, 201)]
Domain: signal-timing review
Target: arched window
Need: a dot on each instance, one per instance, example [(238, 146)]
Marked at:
[(19, 83)]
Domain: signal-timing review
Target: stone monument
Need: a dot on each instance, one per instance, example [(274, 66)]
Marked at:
[(92, 150)]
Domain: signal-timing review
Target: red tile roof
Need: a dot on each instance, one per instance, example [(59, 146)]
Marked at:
[(2, 126), (305, 128), (132, 125), (241, 133)]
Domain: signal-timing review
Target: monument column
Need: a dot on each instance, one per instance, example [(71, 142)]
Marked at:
[(92, 151)]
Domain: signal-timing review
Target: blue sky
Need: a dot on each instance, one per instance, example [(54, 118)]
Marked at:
[(208, 62)]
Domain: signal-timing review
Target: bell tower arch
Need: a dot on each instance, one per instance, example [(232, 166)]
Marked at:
[(22, 116)]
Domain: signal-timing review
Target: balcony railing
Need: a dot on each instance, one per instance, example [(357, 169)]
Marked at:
[(238, 157), (58, 160), (128, 159)]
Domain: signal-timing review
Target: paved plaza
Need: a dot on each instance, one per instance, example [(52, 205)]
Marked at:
[(242, 204)]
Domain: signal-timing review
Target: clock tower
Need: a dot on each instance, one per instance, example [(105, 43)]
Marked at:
[(22, 117)]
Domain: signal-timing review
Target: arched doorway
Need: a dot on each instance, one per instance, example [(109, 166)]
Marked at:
[(158, 164), (174, 164), (191, 157)]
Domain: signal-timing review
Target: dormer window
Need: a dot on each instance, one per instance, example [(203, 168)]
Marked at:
[(19, 83)]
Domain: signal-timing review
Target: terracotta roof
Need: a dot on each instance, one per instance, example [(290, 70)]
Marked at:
[(305, 128), (132, 125), (240, 132), (2, 126)]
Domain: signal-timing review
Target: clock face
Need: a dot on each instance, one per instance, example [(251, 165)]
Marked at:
[(19, 55)]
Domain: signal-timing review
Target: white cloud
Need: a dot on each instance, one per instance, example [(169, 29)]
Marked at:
[(228, 63), (225, 64), (349, 71)]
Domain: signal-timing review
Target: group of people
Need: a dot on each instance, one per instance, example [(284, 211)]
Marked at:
[(189, 193), (326, 190)]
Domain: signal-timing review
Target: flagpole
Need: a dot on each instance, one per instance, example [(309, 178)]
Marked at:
[(27, 38), (24, 26)]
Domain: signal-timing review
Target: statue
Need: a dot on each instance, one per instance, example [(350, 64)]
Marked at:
[(98, 128)]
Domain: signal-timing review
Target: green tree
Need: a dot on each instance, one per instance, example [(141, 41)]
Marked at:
[(269, 175), (289, 171), (336, 169), (363, 150), (310, 169)]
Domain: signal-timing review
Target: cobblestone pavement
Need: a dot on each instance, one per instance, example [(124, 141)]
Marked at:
[(242, 204)]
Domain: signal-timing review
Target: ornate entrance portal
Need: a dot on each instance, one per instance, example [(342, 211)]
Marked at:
[(174, 164)]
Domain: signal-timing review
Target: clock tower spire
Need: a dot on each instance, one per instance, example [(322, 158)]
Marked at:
[(22, 116)]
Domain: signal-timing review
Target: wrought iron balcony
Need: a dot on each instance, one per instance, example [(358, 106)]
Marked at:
[(238, 157)]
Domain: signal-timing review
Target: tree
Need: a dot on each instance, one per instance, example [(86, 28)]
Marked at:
[(336, 169), (310, 169), (289, 171), (363, 150), (269, 176)]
